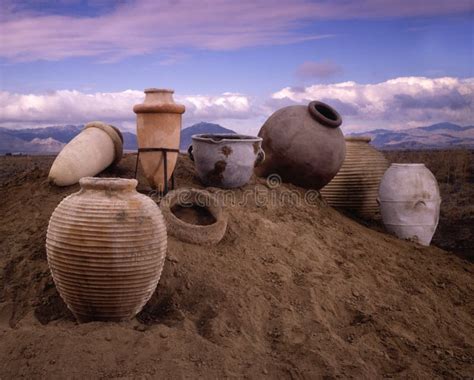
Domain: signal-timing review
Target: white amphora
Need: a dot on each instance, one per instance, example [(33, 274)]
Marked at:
[(410, 202)]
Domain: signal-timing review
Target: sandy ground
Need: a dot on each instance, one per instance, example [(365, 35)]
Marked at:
[(294, 291)]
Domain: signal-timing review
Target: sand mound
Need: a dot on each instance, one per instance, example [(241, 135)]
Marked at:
[(294, 290)]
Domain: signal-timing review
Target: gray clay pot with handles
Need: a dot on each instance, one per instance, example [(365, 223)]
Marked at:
[(225, 160)]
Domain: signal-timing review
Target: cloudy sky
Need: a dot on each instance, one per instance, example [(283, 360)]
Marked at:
[(380, 63)]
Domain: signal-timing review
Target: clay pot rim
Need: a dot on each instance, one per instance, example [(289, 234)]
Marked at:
[(194, 233), (225, 138), (159, 108), (175, 197), (409, 165), (366, 139), (323, 119), (110, 184), (114, 133), (162, 90)]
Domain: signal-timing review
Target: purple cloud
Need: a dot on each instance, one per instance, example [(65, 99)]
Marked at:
[(143, 26), (452, 100), (320, 70)]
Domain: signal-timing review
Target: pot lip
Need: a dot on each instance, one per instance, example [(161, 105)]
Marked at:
[(155, 89), (218, 138), (407, 165), (358, 138), (110, 184), (189, 232), (318, 116), (175, 197)]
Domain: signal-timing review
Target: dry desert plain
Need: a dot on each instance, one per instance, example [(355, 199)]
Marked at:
[(298, 291)]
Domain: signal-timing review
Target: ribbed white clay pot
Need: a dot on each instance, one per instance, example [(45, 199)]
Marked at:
[(90, 152), (356, 185), (106, 246), (410, 202), (158, 126)]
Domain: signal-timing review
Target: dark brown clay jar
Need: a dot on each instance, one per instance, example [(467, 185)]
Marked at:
[(303, 144)]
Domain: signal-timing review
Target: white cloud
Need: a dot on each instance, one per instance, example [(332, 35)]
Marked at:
[(227, 105), (65, 106), (396, 104), (74, 107)]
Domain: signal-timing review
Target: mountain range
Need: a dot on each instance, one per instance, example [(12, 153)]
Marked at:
[(199, 128), (47, 140), (436, 136), (52, 139)]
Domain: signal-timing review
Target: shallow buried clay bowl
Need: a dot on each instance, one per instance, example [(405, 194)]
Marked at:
[(194, 216)]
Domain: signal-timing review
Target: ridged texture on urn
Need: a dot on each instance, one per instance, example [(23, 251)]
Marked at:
[(356, 185), (106, 247)]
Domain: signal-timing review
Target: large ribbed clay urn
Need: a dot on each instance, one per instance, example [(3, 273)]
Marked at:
[(106, 246), (303, 144), (158, 126), (356, 185)]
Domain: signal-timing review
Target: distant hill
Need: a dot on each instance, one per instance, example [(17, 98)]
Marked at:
[(436, 136), (47, 140), (61, 133), (199, 128), (129, 141), (52, 139), (9, 143)]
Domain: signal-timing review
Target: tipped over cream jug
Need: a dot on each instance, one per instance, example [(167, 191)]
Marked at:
[(94, 149), (158, 126), (410, 202)]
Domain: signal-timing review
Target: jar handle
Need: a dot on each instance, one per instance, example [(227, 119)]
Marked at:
[(420, 202), (190, 153), (260, 157)]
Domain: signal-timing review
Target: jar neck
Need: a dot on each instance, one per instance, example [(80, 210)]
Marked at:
[(402, 165), (324, 114), (158, 96), (108, 184), (358, 139)]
